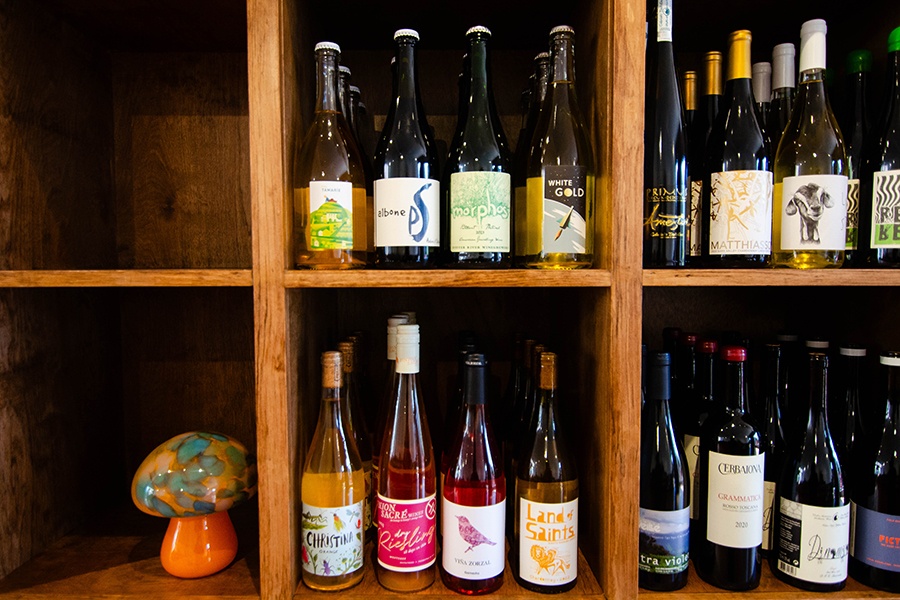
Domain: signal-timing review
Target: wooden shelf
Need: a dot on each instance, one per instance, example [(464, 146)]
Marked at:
[(447, 278), (769, 277), (369, 588), (769, 588), (128, 278)]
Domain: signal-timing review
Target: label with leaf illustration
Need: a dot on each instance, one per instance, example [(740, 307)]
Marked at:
[(480, 212), (406, 533), (548, 542), (332, 539)]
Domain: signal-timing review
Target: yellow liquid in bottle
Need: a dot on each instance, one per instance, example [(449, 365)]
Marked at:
[(541, 232)]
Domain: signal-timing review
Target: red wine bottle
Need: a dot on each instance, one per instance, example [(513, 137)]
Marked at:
[(855, 127), (665, 488), (812, 512), (685, 384), (772, 436), (697, 407), (731, 471), (474, 496), (876, 495)]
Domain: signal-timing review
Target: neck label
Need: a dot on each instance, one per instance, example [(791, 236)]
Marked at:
[(664, 21)]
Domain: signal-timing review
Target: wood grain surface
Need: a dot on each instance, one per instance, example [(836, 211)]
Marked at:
[(448, 278), (771, 277), (128, 278)]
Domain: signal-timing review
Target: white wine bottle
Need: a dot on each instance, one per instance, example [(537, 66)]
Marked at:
[(810, 201)]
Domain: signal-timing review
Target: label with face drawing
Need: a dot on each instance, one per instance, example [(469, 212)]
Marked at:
[(886, 209), (814, 212)]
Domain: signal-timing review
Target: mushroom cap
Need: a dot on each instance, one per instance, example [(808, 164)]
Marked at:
[(193, 474)]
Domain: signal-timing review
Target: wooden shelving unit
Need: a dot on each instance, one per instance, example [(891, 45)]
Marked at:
[(146, 289)]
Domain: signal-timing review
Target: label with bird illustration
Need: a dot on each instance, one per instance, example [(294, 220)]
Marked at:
[(474, 540), (562, 194), (548, 542), (332, 539)]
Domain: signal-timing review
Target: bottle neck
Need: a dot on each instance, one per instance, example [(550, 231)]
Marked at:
[(344, 94), (330, 413), (818, 392), (892, 406), (705, 376), (475, 386), (562, 59), (327, 81), (542, 81), (407, 87), (733, 388), (893, 83), (479, 78)]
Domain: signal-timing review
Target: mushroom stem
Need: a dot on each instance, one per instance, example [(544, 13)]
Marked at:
[(198, 546)]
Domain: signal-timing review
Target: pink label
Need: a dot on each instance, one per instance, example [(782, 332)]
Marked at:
[(406, 533)]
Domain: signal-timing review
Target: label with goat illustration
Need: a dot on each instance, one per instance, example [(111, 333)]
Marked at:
[(814, 212)]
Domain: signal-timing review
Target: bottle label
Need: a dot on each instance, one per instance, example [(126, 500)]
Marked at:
[(875, 538), (740, 213), (813, 541), (664, 541), (406, 533), (563, 222), (666, 213), (480, 212), (852, 214), (407, 212), (814, 212), (548, 542), (696, 220), (330, 215), (735, 500), (692, 451), (768, 514), (332, 542), (886, 209), (664, 21), (474, 540)]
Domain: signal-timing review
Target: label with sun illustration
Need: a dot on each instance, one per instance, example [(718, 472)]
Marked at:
[(332, 539), (548, 542)]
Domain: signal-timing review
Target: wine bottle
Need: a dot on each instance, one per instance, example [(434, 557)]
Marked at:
[(541, 81), (665, 490), (665, 147), (329, 204), (762, 96), (812, 516), (731, 471), (559, 207), (737, 191), (880, 172), (773, 443), (387, 404), (333, 494), (855, 128), (529, 407), (698, 136), (850, 432), (698, 406), (406, 503), (689, 96), (407, 193), (474, 496), (793, 402), (456, 403), (344, 96), (513, 441), (545, 549), (685, 384), (810, 203), (478, 173), (876, 495), (784, 90)]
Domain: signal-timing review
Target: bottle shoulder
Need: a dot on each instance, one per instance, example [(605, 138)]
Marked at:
[(329, 153)]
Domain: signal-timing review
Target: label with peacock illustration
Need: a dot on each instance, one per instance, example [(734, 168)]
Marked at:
[(548, 542), (332, 539), (474, 539)]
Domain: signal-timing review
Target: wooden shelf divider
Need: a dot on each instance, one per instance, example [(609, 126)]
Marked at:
[(127, 278), (373, 278), (770, 277)]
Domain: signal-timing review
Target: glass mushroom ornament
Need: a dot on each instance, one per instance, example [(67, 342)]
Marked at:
[(194, 478)]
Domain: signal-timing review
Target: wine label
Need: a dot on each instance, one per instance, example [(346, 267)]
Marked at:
[(886, 209), (768, 514), (330, 215), (695, 219), (664, 541), (473, 540), (735, 500), (664, 21), (521, 217), (548, 542), (406, 533), (813, 541), (407, 212), (692, 451), (666, 213), (875, 538), (852, 214), (480, 212), (814, 212), (740, 213), (562, 194), (332, 539)]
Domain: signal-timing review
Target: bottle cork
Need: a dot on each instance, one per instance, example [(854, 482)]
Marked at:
[(331, 369), (548, 371)]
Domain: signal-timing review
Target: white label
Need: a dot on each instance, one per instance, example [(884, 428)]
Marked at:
[(692, 451), (814, 212), (664, 21), (740, 213), (886, 209), (735, 500), (852, 214), (332, 541), (474, 539), (768, 514), (548, 542), (480, 212), (696, 218), (814, 541), (407, 212)]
